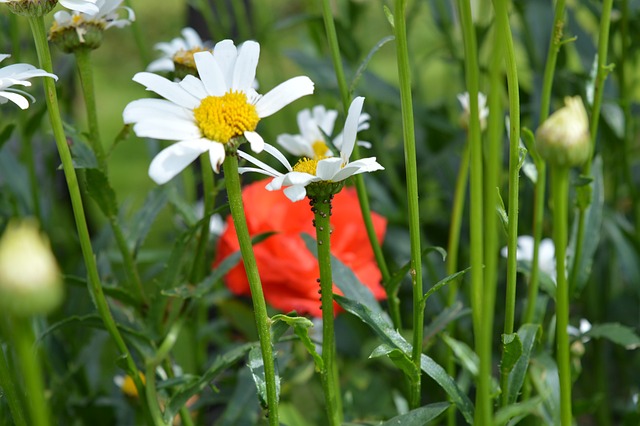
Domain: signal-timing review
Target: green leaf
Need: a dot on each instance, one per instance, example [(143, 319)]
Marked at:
[(529, 141), (399, 358), (389, 15), (6, 133), (512, 413), (256, 366), (221, 363), (101, 191), (121, 136), (511, 352), (467, 357), (394, 282), (145, 217), (616, 333), (301, 326), (502, 212), (419, 416), (443, 319), (441, 284), (242, 407), (82, 156), (544, 376), (527, 336), (365, 62)]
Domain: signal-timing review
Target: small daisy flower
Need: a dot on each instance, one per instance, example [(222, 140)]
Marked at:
[(84, 29), (212, 113), (18, 74), (546, 254), (331, 170), (178, 53), (463, 98), (316, 126)]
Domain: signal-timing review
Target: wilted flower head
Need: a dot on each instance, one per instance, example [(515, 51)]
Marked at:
[(563, 139), (213, 113), (30, 282), (546, 254), (84, 30), (320, 175), (463, 98), (42, 7), (17, 74), (316, 127), (177, 55)]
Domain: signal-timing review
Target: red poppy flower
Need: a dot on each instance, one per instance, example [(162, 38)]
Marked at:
[(288, 270)]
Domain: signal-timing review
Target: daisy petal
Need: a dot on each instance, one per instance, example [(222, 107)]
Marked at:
[(216, 155), (173, 159), (245, 67), (226, 55), (278, 155), (295, 192), (255, 140), (243, 170), (295, 145), (265, 167), (17, 99), (174, 129), (167, 89), (328, 168), (141, 109), (283, 95), (210, 73), (351, 128)]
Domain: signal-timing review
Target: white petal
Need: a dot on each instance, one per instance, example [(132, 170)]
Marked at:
[(263, 166), (191, 37), (226, 54), (167, 89), (162, 64), (255, 140), (351, 128), (245, 68), (173, 129), (194, 86), (278, 155), (17, 99), (283, 95), (216, 156), (143, 109), (85, 6), (525, 248), (328, 168), (173, 159), (299, 178), (295, 145), (364, 165), (243, 170), (295, 192), (210, 73)]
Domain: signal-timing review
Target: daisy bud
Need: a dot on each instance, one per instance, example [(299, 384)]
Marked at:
[(30, 281), (563, 139)]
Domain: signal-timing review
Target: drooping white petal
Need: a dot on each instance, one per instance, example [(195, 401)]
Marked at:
[(210, 73), (173, 159), (268, 169), (299, 178), (277, 155), (295, 192), (216, 155), (16, 98), (350, 131), (283, 95), (255, 140), (167, 89), (191, 37), (243, 170), (245, 68)]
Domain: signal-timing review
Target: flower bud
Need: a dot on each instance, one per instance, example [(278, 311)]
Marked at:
[(563, 139), (30, 281)]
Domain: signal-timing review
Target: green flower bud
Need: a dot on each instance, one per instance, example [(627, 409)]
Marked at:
[(563, 139), (30, 281), (31, 7), (79, 34)]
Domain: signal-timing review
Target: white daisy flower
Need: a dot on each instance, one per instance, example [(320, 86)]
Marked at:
[(203, 114), (179, 50), (546, 254), (17, 74), (463, 98), (106, 16), (316, 126), (309, 170), (86, 6)]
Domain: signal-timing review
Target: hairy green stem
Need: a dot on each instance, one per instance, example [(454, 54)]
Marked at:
[(409, 137), (10, 390), (263, 322), (95, 287), (560, 194), (321, 206)]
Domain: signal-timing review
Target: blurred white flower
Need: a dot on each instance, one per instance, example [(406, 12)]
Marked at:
[(206, 114), (463, 98), (307, 170), (546, 254), (180, 50), (18, 74), (106, 16)]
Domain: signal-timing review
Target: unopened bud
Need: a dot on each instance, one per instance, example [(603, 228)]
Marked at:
[(563, 139), (30, 282)]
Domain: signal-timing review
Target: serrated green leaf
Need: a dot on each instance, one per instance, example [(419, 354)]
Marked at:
[(399, 358), (101, 191), (527, 336), (256, 366), (301, 326), (419, 416), (616, 333), (511, 352)]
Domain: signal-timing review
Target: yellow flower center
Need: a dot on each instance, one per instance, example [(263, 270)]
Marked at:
[(185, 57), (320, 149), (221, 118), (306, 165)]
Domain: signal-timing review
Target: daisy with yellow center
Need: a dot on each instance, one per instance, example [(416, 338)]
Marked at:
[(106, 16), (316, 170), (18, 75), (179, 52), (208, 113)]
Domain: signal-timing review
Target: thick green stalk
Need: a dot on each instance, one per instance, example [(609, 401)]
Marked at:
[(198, 267), (10, 391), (601, 75), (95, 287), (31, 371), (484, 411), (552, 55), (560, 194), (85, 70), (409, 137), (263, 322), (332, 38), (321, 206)]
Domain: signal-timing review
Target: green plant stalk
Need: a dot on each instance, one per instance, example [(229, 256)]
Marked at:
[(241, 19), (321, 206), (31, 370), (95, 287), (14, 31), (9, 390), (85, 71), (361, 189), (484, 411), (207, 13), (152, 396), (552, 56), (198, 267), (601, 75), (560, 194), (143, 51), (409, 137), (30, 159), (263, 322)]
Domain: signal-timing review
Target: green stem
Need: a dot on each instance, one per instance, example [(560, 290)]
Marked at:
[(321, 206), (30, 159), (199, 261), (412, 191), (31, 371), (483, 414), (95, 287), (552, 55), (127, 257), (241, 19), (145, 56), (363, 197), (206, 11), (152, 396), (14, 31), (560, 194), (10, 391), (263, 322), (85, 70)]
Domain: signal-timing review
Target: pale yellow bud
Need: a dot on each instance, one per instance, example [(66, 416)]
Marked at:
[(563, 139), (30, 281)]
